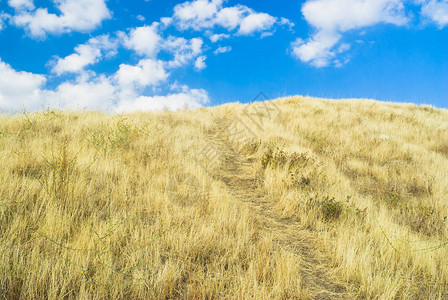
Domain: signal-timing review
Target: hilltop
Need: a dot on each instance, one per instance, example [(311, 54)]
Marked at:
[(296, 198)]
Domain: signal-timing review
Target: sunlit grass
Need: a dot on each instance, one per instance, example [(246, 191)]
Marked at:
[(337, 199)]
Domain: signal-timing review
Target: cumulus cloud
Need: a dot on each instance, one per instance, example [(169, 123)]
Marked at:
[(75, 15), (436, 11), (19, 89), (144, 40), (217, 37), (166, 21), (97, 93), (131, 83), (318, 49), (148, 72), (183, 50), (199, 64), (148, 41), (21, 4), (287, 23), (222, 50), (27, 90), (231, 17), (332, 18), (256, 22), (86, 54), (196, 14), (205, 14), (191, 98), (120, 92)]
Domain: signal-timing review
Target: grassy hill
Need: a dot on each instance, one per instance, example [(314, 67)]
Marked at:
[(297, 198)]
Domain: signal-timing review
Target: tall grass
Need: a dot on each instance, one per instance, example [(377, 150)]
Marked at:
[(327, 199)]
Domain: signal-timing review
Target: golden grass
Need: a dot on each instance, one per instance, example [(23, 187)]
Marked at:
[(309, 199)]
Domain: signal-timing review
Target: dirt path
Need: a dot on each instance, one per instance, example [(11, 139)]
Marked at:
[(238, 174)]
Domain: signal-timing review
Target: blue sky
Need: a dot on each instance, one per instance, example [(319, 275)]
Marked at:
[(121, 55)]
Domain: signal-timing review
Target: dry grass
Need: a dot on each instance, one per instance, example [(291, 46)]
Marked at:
[(325, 200)]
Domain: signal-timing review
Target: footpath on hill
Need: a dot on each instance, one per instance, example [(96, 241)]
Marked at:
[(237, 172)]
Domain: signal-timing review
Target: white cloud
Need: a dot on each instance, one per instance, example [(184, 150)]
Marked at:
[(222, 50), (331, 18), (76, 15), (86, 54), (122, 91), (256, 22), (141, 18), (183, 50), (199, 64), (231, 17), (26, 90), (19, 89), (205, 14), (343, 15), (21, 4), (144, 40), (98, 93), (196, 14), (191, 98), (74, 63), (217, 37), (166, 21), (3, 17), (148, 72), (317, 50), (286, 22), (436, 11), (131, 81)]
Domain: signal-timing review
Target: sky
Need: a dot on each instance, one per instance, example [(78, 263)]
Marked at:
[(125, 56)]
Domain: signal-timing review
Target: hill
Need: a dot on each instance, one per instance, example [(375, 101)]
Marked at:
[(296, 198)]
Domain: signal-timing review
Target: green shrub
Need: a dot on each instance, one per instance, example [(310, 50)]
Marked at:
[(330, 208)]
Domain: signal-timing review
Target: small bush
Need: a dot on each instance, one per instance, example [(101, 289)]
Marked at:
[(393, 199), (330, 208), (300, 160), (278, 157), (303, 182), (275, 157)]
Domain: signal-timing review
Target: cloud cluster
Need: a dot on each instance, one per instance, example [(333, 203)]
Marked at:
[(19, 89), (86, 54), (121, 91), (332, 18), (183, 50), (436, 11), (118, 93), (218, 36), (21, 4), (205, 14), (144, 40), (189, 98), (158, 51), (75, 15)]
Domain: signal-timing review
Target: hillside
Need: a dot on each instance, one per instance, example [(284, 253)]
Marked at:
[(296, 198)]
